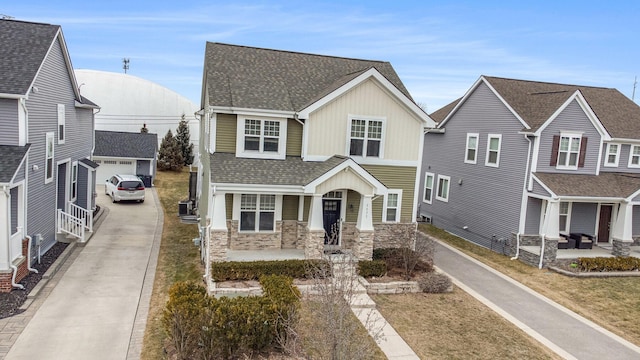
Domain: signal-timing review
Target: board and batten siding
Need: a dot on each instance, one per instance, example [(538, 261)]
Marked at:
[(294, 138), (226, 125), (572, 119), (485, 199), (9, 121), (395, 177), (55, 87), (327, 126)]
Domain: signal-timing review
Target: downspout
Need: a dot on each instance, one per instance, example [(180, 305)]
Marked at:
[(517, 247), (524, 190), (29, 256), (11, 265), (541, 252)]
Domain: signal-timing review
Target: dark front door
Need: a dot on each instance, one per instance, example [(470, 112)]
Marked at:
[(331, 219), (604, 224)]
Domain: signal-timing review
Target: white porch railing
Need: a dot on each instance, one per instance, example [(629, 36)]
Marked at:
[(16, 244), (83, 214), (71, 225)]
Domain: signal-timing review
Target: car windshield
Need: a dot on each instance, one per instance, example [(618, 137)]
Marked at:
[(130, 184)]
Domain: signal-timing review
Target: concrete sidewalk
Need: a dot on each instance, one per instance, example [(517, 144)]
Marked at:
[(99, 306), (563, 331)]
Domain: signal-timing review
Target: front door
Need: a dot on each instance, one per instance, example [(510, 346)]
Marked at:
[(604, 224), (331, 220)]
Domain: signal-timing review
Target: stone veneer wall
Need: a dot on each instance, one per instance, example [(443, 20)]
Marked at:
[(621, 247), (314, 244), (289, 234), (636, 241), (388, 235), (23, 271), (533, 259), (218, 245), (525, 240), (301, 235), (254, 241), (363, 247), (349, 235)]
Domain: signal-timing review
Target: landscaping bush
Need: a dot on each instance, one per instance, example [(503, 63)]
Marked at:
[(181, 317), (252, 270), (369, 268), (406, 260), (434, 283), (609, 264)]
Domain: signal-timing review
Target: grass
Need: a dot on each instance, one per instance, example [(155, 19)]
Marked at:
[(612, 303), (178, 259), (456, 326)]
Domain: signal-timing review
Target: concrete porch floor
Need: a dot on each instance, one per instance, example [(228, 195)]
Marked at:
[(597, 251), (257, 255)]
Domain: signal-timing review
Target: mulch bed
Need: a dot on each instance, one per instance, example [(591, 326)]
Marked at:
[(10, 302)]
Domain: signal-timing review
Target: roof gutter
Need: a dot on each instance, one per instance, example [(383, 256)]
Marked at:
[(12, 96), (250, 111)]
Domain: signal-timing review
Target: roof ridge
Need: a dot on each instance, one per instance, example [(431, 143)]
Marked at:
[(28, 22), (547, 82)]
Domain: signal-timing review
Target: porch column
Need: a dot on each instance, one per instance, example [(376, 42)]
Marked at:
[(314, 240), (219, 235), (551, 228), (5, 226), (365, 216), (622, 229), (219, 214), (315, 213)]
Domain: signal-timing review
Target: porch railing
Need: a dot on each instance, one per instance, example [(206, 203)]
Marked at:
[(83, 214), (71, 225)]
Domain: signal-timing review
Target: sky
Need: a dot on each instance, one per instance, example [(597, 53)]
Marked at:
[(438, 48)]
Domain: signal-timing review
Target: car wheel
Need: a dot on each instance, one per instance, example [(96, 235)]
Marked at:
[(141, 201), (113, 199)]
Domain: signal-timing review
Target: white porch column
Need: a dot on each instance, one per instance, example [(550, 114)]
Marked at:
[(623, 225), (365, 215), (551, 227), (315, 213), (300, 207), (5, 232), (219, 214)]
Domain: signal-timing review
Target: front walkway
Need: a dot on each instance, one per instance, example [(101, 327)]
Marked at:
[(563, 331), (98, 308)]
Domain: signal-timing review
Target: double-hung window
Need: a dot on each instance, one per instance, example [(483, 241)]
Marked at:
[(613, 154), (74, 181), (471, 151), (428, 188), (365, 137), (257, 212), (442, 193), (261, 138), (392, 204), (569, 151), (493, 150), (634, 156), (564, 220), (61, 124), (48, 165)]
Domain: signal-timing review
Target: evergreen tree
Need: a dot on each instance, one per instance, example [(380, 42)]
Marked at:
[(183, 139), (170, 156)]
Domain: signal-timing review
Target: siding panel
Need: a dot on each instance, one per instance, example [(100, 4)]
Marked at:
[(534, 209), (290, 207), (9, 122), (395, 177), (226, 133), (583, 218)]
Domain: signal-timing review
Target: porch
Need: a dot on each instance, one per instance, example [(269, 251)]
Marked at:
[(595, 251), (265, 255)]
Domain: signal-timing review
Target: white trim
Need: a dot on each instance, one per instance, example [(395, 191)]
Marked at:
[(398, 205), (369, 161), (584, 105), (72, 184), (467, 148), (544, 186), (448, 179), (489, 138), (252, 112), (62, 135), (433, 186), (365, 139), (50, 136), (417, 183), (277, 212), (23, 116), (630, 164), (260, 153), (259, 188), (534, 160), (378, 187), (567, 224), (571, 135), (212, 122), (608, 153), (599, 163)]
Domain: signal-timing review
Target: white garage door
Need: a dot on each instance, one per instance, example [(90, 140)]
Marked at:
[(109, 167)]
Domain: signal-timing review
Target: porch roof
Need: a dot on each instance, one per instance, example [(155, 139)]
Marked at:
[(10, 159), (605, 185)]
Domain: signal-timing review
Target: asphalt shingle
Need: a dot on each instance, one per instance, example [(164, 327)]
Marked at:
[(10, 159), (126, 144), (610, 185)]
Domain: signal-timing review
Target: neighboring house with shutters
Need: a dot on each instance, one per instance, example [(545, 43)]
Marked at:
[(46, 135), (295, 146), (529, 165), (127, 153)]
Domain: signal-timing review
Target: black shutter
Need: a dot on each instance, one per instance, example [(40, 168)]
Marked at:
[(554, 150), (583, 152)]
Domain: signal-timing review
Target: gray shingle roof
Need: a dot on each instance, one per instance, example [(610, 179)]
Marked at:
[(10, 159), (24, 46), (126, 144), (612, 185), (89, 163), (247, 77), (227, 169)]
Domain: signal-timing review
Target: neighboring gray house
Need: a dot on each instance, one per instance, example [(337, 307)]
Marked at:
[(127, 153), (535, 167), (46, 136)]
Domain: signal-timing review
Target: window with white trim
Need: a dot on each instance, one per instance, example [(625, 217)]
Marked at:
[(61, 124), (471, 150), (257, 212), (74, 181), (569, 151), (428, 188), (493, 150), (612, 155), (442, 193), (49, 150), (261, 137), (565, 216), (392, 203), (365, 137), (634, 156)]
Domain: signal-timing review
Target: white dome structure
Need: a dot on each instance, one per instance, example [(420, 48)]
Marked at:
[(127, 103)]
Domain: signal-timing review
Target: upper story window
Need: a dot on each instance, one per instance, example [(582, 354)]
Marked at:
[(365, 137), (634, 156), (568, 151), (471, 151), (443, 188), (49, 149), (494, 142), (392, 203), (61, 124), (261, 138), (428, 188), (613, 154)]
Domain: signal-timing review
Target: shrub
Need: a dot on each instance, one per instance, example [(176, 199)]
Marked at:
[(252, 270), (369, 268), (609, 264), (434, 283), (181, 317), (406, 259)]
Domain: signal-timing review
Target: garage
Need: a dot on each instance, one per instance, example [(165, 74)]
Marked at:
[(125, 153), (110, 166)]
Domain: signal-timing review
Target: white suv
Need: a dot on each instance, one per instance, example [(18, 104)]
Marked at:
[(124, 187)]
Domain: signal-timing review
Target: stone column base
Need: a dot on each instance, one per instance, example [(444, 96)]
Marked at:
[(363, 247), (218, 245), (314, 244), (621, 247), (550, 251)]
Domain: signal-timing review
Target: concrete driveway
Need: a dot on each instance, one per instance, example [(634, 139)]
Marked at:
[(98, 308)]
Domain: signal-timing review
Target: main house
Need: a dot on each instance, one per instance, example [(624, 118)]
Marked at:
[(46, 137), (303, 151), (536, 166)]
